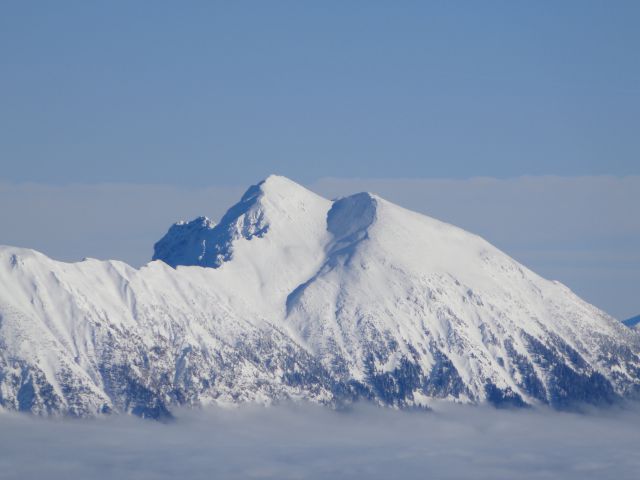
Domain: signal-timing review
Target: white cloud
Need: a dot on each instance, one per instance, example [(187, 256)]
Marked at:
[(311, 442), (583, 231)]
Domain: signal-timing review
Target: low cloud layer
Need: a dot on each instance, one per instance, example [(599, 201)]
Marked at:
[(583, 231), (314, 443)]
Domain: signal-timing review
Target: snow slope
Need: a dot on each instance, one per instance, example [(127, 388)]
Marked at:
[(292, 296)]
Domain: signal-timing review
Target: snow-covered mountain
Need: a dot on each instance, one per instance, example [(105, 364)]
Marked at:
[(292, 296)]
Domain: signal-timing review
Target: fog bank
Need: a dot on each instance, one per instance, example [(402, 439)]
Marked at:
[(311, 442)]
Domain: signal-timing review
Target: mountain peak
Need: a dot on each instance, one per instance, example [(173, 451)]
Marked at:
[(275, 201), (274, 189), (275, 182), (281, 193)]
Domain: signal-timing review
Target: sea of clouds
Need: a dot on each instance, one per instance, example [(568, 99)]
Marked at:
[(310, 442)]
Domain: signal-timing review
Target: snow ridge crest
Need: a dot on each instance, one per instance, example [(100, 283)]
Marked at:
[(201, 242)]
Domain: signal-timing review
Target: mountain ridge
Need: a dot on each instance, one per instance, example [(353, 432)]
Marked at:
[(293, 296)]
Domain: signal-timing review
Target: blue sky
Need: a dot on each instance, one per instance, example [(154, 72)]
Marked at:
[(118, 118), (197, 92)]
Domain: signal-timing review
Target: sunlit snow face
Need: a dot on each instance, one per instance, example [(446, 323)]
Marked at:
[(577, 230), (310, 442)]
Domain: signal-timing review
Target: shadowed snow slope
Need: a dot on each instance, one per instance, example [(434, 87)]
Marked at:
[(292, 296)]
